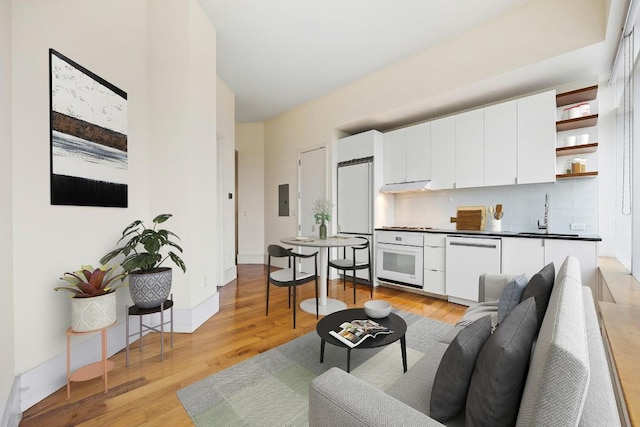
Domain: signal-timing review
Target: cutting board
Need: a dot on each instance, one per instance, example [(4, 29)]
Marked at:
[(470, 218)]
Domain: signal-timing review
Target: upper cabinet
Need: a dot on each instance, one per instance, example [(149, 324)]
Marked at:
[(356, 146), (470, 149), (407, 153), (500, 144), (536, 138), (419, 152), (443, 153)]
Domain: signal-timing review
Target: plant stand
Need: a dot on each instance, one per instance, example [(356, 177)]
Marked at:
[(93, 370), (141, 312)]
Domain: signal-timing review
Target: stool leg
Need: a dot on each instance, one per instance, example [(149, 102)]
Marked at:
[(104, 358), (162, 332), (171, 310), (140, 332), (127, 329)]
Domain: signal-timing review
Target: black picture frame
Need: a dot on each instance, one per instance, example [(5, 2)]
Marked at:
[(88, 137)]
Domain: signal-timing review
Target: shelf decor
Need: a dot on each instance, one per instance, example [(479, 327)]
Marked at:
[(88, 133), (322, 209)]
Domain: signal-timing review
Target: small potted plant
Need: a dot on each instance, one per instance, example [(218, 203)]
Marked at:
[(322, 209), (149, 283), (93, 305)]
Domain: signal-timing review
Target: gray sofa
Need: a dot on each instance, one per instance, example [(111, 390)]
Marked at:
[(568, 381)]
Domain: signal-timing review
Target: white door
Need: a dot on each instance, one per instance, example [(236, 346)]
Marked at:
[(312, 172), (500, 143), (419, 152), (470, 149), (443, 153), (394, 156), (537, 138)]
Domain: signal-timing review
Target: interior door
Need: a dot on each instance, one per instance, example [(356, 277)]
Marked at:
[(312, 178)]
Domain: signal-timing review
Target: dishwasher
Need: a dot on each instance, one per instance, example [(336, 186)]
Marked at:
[(466, 259)]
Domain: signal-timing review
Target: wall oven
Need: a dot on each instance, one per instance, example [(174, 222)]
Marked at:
[(399, 258)]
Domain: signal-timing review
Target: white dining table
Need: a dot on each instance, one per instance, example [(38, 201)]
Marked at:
[(325, 305)]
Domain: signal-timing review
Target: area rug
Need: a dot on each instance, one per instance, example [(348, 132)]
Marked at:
[(271, 389)]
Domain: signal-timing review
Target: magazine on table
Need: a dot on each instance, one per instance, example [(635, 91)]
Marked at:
[(354, 332)]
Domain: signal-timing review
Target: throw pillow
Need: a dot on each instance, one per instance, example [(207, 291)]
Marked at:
[(501, 369), (451, 383), (540, 287), (511, 296)]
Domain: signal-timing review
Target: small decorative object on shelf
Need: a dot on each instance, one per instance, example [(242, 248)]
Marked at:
[(93, 305), (322, 209), (149, 284)]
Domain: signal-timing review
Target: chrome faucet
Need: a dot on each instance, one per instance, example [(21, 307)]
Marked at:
[(545, 225)]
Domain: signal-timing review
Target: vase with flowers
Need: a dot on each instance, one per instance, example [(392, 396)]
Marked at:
[(322, 209)]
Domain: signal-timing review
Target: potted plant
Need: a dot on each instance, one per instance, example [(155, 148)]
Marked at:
[(93, 305), (149, 284), (322, 209)]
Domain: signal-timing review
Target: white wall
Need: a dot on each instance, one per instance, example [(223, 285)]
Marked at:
[(226, 136), (251, 191), (7, 350), (162, 53), (441, 79)]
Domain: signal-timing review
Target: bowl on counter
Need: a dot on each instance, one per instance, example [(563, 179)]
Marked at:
[(377, 308)]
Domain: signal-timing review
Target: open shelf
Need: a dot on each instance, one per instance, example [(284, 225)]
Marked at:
[(581, 95), (577, 123), (577, 175), (577, 149)]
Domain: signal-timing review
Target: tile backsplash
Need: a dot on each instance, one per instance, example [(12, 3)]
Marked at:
[(571, 201)]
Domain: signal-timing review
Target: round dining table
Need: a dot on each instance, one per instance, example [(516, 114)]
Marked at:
[(325, 305)]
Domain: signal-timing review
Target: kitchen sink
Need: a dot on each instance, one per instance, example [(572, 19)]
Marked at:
[(542, 233)]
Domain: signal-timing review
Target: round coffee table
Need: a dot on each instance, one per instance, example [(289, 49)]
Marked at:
[(334, 320)]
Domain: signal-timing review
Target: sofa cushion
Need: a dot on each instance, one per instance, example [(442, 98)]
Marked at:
[(414, 387), (511, 296), (451, 383), (499, 375), (558, 375), (539, 287)]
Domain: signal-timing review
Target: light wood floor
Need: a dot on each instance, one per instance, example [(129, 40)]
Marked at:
[(145, 392)]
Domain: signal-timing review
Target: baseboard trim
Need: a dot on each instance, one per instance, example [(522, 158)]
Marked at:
[(11, 410), (251, 259), (230, 274), (44, 380)]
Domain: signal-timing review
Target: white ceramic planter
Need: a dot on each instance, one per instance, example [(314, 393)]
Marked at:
[(90, 314)]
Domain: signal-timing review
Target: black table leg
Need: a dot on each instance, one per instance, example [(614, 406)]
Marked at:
[(403, 348), (348, 359), (322, 350)]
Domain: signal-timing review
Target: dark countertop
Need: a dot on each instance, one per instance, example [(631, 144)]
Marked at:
[(522, 234)]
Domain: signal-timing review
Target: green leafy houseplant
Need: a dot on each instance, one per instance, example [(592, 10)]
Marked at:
[(91, 282), (142, 247)]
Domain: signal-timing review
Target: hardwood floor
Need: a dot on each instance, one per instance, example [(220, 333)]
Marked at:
[(144, 393)]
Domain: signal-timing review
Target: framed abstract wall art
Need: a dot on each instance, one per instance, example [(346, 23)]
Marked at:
[(89, 163)]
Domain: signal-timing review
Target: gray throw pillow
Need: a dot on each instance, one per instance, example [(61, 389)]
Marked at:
[(540, 287), (451, 383), (501, 369), (511, 296)]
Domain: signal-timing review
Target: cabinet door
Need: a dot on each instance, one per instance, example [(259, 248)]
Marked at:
[(394, 156), (537, 138), (434, 281), (443, 153), (556, 250), (356, 146), (419, 152), (470, 149), (500, 143), (520, 255)]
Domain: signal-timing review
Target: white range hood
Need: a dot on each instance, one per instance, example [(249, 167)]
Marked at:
[(407, 187)]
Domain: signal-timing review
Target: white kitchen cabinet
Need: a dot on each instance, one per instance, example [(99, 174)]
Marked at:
[(434, 264), (470, 149), (443, 153), (418, 152), (395, 156), (406, 154), (356, 146), (536, 158), (522, 255), (556, 250), (500, 144)]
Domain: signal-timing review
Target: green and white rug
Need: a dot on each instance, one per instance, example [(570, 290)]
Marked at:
[(271, 389)]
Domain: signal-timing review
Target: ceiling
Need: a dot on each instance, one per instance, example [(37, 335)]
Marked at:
[(275, 55)]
